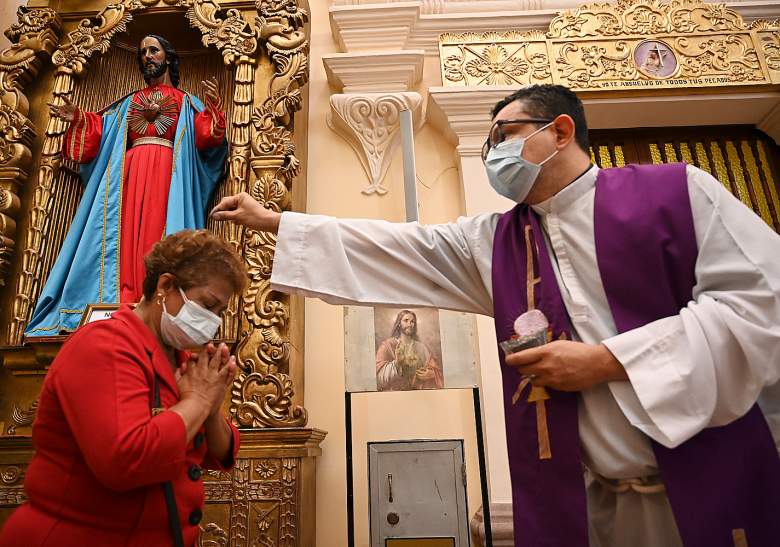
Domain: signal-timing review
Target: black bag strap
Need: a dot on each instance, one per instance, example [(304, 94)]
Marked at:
[(170, 500)]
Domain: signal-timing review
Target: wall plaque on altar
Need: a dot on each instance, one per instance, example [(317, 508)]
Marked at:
[(98, 312)]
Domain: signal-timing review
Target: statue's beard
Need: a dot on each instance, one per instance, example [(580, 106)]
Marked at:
[(154, 70)]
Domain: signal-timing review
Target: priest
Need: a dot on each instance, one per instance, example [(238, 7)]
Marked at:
[(652, 417)]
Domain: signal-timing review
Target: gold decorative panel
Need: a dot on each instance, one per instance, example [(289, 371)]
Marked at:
[(266, 500), (769, 37), (628, 45), (271, 47), (495, 58), (744, 160)]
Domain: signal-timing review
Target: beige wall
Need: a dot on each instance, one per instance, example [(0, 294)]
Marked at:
[(8, 18), (335, 179)]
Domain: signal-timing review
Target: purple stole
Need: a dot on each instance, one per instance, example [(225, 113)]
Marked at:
[(724, 483)]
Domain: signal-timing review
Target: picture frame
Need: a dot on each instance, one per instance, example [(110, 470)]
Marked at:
[(98, 312)]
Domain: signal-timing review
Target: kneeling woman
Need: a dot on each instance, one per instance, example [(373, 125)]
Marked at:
[(125, 424)]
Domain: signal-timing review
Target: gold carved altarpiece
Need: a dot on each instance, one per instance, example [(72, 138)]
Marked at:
[(259, 52), (628, 45)]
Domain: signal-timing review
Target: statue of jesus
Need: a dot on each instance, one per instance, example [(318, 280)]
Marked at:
[(149, 162)]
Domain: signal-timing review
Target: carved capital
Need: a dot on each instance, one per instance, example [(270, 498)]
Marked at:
[(226, 29), (94, 35), (36, 35), (369, 122), (375, 71)]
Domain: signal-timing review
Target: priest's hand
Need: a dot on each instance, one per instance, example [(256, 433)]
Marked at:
[(568, 366), (66, 111), (245, 210)]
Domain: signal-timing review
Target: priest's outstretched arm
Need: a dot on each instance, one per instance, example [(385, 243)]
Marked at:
[(374, 262)]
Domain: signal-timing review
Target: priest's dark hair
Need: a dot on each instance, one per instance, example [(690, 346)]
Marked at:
[(171, 57), (547, 102)]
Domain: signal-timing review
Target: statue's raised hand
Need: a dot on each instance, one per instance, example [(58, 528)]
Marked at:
[(213, 99), (66, 111)]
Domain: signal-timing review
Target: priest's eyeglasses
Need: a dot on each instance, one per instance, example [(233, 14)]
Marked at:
[(497, 133)]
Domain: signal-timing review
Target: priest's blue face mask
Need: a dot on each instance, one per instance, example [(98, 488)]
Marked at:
[(509, 173)]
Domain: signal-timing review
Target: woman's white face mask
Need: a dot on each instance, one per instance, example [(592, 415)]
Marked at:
[(509, 173), (193, 326)]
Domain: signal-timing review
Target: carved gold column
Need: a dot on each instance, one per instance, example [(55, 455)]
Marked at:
[(269, 497), (35, 37), (237, 41), (263, 391)]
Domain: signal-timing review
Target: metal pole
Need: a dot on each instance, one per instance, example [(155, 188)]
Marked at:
[(350, 496), (482, 470), (410, 169)]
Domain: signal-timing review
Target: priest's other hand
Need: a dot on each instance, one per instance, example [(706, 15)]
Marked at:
[(245, 210), (568, 366)]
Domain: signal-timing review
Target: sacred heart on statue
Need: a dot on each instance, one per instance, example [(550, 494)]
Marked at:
[(151, 112), (155, 109)]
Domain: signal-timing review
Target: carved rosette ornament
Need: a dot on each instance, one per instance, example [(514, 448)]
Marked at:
[(237, 40), (33, 38), (628, 45), (12, 485)]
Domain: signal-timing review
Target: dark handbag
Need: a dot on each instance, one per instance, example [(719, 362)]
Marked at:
[(170, 500)]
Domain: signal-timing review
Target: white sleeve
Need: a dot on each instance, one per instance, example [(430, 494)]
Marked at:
[(708, 365), (373, 262)]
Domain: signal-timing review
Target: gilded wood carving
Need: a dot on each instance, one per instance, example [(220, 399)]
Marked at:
[(260, 502), (262, 161), (34, 38), (627, 45)]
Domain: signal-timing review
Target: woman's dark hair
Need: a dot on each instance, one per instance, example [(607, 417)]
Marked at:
[(194, 257), (171, 57), (547, 102)]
